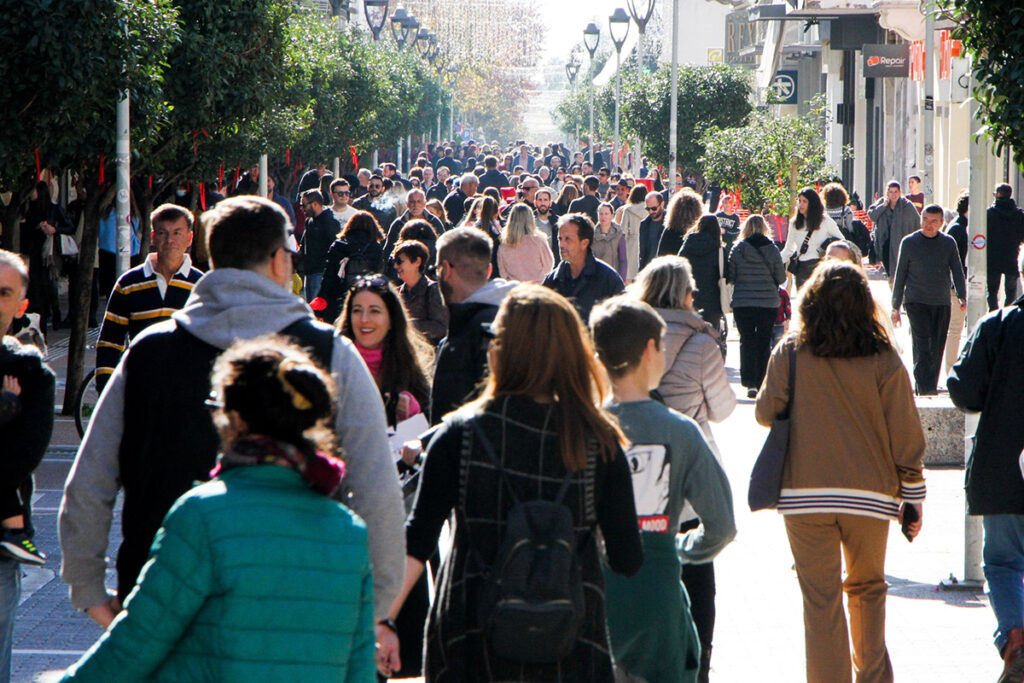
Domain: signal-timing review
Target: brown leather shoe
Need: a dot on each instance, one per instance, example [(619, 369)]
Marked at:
[(1013, 657)]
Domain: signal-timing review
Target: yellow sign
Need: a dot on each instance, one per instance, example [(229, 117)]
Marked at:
[(716, 55)]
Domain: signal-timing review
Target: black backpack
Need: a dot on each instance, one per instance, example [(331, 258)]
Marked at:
[(361, 262), (531, 607)]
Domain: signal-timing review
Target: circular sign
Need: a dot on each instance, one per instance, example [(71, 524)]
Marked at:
[(122, 196), (978, 242), (783, 86)]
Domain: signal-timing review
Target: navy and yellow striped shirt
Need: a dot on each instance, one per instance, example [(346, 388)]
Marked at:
[(140, 298)]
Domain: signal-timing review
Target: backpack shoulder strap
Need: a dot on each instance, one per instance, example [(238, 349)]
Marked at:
[(485, 443)]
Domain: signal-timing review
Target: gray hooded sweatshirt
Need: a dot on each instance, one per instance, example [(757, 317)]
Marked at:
[(228, 305)]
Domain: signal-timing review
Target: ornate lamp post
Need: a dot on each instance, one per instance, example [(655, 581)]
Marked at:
[(341, 8), (618, 27), (376, 13), (403, 25), (572, 69), (641, 11), (591, 39)]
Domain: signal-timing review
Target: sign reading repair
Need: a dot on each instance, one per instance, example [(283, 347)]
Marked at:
[(886, 61)]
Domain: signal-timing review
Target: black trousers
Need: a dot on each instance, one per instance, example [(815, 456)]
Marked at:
[(1009, 287), (699, 580), (754, 324), (928, 328)]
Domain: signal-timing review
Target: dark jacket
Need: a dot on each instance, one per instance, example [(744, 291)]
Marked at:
[(396, 229), (989, 378), (702, 252), (650, 238), (451, 163), (333, 288), (493, 178), (318, 237), (891, 226), (455, 205), (1005, 233), (462, 355), (587, 205), (958, 231), (596, 282), (437, 191), (755, 269), (25, 436), (384, 211), (426, 310), (670, 243)]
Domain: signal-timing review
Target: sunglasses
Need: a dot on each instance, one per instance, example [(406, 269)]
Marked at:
[(652, 209), (342, 193), (370, 282)]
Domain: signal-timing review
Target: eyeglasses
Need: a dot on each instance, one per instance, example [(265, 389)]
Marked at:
[(342, 193), (370, 282), (652, 209)]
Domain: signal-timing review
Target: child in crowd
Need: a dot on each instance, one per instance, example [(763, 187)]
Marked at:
[(671, 463)]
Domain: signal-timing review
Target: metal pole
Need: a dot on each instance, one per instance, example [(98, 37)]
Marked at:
[(408, 154), (263, 175), (977, 307), (674, 100), (640, 73), (124, 172), (590, 131), (451, 119), (398, 156), (337, 167), (929, 108), (618, 94), (376, 158)]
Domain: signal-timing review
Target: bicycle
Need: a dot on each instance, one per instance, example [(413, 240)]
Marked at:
[(85, 402)]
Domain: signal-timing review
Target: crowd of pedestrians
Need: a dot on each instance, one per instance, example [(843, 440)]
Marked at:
[(527, 349)]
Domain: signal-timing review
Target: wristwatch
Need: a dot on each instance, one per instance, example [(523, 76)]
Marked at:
[(389, 623)]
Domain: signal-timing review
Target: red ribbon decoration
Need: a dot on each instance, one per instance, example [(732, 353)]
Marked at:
[(288, 157), (195, 133), (202, 196), (151, 182), (238, 173), (355, 157), (101, 169), (38, 169), (220, 177)]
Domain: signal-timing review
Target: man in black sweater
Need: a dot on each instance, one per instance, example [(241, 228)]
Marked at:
[(928, 261), (1005, 233), (588, 203)]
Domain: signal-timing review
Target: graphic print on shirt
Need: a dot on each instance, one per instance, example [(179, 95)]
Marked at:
[(651, 469)]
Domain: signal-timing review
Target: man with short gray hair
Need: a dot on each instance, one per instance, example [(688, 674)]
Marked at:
[(455, 203), (416, 205)]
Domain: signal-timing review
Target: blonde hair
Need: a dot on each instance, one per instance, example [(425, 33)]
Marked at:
[(520, 224), (754, 225), (664, 283)]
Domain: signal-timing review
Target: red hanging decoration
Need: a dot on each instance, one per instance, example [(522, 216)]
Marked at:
[(39, 171), (102, 164), (202, 196), (151, 182), (220, 177), (355, 157), (195, 133), (288, 157)]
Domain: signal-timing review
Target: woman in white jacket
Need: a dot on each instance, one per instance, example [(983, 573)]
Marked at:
[(808, 232), (695, 384)]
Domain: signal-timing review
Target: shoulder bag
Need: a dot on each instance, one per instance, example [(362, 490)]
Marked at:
[(794, 261), (724, 288), (766, 477)]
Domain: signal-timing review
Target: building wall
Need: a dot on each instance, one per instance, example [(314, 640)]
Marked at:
[(701, 28)]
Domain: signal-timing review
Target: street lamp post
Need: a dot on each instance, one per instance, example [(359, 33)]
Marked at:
[(376, 13), (618, 27), (591, 39), (403, 25), (641, 11), (572, 69), (341, 10), (673, 116)]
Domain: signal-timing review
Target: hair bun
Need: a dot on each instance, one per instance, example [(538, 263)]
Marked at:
[(305, 388)]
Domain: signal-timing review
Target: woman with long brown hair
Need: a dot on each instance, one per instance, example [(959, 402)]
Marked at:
[(683, 212), (537, 432), (357, 250), (850, 388), (808, 233)]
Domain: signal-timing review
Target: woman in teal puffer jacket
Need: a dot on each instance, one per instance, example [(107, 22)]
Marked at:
[(257, 575)]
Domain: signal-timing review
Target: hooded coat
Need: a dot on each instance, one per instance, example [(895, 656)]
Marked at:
[(1005, 233)]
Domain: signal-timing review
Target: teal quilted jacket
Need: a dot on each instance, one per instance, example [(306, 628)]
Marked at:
[(253, 577)]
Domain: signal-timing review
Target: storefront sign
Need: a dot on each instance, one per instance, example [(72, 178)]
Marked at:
[(784, 87), (742, 35), (886, 61)]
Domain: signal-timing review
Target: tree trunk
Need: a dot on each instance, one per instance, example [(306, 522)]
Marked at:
[(144, 203), (84, 274), (10, 239)]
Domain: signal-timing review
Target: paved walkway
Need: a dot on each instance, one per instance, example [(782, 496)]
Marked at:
[(933, 635)]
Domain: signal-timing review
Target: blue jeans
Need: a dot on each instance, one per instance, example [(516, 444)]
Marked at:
[(313, 285), (10, 594), (1004, 570)]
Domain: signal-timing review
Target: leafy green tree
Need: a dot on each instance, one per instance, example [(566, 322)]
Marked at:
[(715, 96), (769, 156), (573, 112), (993, 31)]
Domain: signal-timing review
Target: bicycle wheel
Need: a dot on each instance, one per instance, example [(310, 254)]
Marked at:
[(88, 397)]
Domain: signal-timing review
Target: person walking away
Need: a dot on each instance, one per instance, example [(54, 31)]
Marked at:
[(609, 241), (684, 210), (850, 388), (629, 218), (580, 277), (27, 387), (523, 252), (356, 251), (755, 270), (160, 386), (809, 232), (702, 247), (694, 383), (204, 610), (420, 294), (672, 467), (651, 228), (321, 229), (1005, 223), (957, 229), (472, 298), (989, 379), (894, 218), (588, 203), (928, 263), (149, 293), (525, 439)]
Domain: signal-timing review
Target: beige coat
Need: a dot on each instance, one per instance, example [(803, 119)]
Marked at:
[(629, 221)]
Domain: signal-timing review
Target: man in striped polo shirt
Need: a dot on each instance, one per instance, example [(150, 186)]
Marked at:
[(150, 292)]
